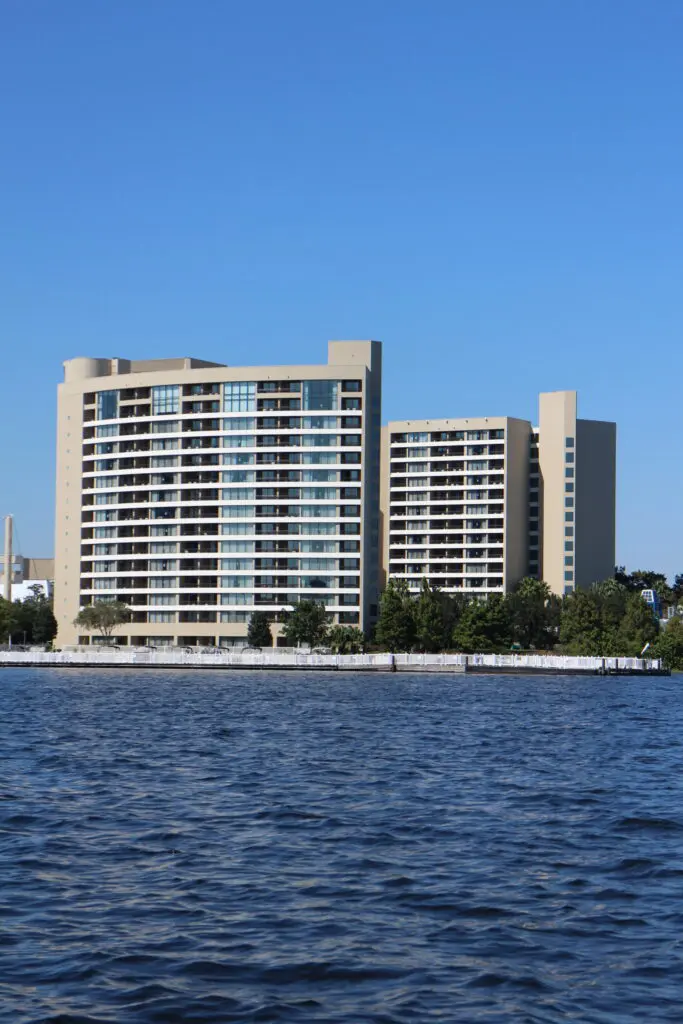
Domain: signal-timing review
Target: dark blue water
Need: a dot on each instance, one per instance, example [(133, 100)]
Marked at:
[(207, 847)]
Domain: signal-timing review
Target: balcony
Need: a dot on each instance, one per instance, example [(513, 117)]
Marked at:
[(198, 547)]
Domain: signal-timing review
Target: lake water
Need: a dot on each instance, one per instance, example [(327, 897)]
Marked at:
[(207, 846)]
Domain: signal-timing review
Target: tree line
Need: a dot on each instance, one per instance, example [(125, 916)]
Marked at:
[(608, 619), (31, 621)]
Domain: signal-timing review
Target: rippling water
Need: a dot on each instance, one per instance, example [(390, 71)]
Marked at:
[(194, 846)]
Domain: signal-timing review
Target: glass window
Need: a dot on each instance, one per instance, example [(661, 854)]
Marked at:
[(239, 494), (165, 427), (239, 441), (569, 442), (163, 582), (165, 444), (569, 576), (569, 472), (318, 529), (569, 545), (569, 517), (240, 423), (319, 475), (320, 422), (162, 617), (239, 476), (569, 488), (416, 439), (321, 394), (569, 456), (319, 458), (107, 405), (318, 511), (352, 385), (229, 546), (163, 531), (165, 399), (239, 396), (163, 564), (238, 512), (319, 545), (239, 459), (569, 503), (236, 529), (237, 564), (319, 440), (569, 531), (319, 493), (568, 559), (237, 582), (162, 599), (109, 431), (237, 598)]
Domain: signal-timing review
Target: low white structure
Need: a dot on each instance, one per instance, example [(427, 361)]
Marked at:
[(112, 657)]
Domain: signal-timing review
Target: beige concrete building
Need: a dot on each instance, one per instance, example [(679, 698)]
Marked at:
[(198, 493), (474, 505), (454, 503), (573, 502)]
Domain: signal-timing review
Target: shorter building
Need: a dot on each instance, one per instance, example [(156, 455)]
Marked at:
[(473, 505), (26, 574)]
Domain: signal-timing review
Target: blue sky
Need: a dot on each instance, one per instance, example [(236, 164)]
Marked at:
[(493, 189)]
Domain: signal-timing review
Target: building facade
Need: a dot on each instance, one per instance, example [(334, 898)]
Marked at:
[(198, 493), (473, 505), (454, 503), (573, 505)]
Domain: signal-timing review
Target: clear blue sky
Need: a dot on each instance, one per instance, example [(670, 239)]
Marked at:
[(494, 189)]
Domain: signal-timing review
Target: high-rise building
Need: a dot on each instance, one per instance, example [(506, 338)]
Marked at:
[(574, 466), (473, 505), (198, 493)]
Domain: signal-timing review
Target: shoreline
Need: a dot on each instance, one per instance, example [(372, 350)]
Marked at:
[(449, 664)]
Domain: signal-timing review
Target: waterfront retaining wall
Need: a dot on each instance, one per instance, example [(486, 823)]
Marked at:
[(215, 659)]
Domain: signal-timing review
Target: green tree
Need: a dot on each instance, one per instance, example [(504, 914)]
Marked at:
[(611, 598), (103, 617), (669, 645), (346, 640), (35, 618), (581, 623), (484, 626), (638, 626), (534, 614), (258, 632), (395, 630), (7, 620), (430, 633), (645, 579), (306, 624)]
